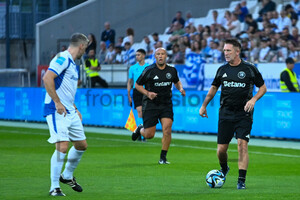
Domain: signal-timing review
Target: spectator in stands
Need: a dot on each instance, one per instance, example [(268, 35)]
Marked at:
[(241, 10), (147, 46), (92, 43), (288, 78), (155, 37), (245, 51), (286, 34), (92, 69), (215, 53), (217, 19), (196, 47), (205, 49), (177, 57), (267, 5), (254, 50), (129, 37), (275, 19), (264, 51), (234, 25), (189, 19), (226, 19), (128, 54), (291, 14), (284, 21), (179, 19), (295, 34), (251, 24), (283, 50), (120, 41), (176, 34), (119, 56), (292, 52), (111, 54), (102, 52), (108, 35), (296, 6)]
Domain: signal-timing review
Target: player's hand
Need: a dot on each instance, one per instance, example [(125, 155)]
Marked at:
[(249, 105), (130, 101), (182, 91), (202, 112), (60, 108), (151, 95), (79, 114)]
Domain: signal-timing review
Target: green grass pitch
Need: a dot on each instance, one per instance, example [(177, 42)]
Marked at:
[(114, 167)]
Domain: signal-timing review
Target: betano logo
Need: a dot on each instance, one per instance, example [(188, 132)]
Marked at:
[(162, 84), (233, 84)]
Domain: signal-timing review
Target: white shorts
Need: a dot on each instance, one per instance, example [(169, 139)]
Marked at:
[(68, 128)]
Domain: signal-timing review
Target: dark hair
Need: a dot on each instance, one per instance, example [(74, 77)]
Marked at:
[(141, 51), (130, 31), (234, 42), (289, 60), (77, 39)]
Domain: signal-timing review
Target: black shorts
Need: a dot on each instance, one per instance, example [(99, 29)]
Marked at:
[(137, 98), (151, 113), (228, 127)]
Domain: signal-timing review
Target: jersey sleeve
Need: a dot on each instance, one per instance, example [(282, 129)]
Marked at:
[(58, 64), (217, 80), (143, 77), (258, 79), (176, 78), (130, 73)]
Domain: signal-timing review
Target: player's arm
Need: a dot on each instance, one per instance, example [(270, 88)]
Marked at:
[(179, 87), (50, 88), (129, 86), (141, 89), (250, 104), (210, 95)]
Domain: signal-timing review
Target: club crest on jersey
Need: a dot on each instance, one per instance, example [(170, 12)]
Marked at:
[(169, 76), (241, 75)]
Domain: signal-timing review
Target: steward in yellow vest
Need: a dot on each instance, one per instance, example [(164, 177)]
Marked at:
[(92, 68), (288, 78)]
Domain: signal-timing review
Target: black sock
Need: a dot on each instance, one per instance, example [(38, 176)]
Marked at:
[(163, 154), (242, 175), (224, 166)]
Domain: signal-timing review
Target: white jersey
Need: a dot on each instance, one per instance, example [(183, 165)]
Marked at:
[(64, 67)]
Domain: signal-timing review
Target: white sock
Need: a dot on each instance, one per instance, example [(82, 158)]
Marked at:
[(74, 157), (57, 161)]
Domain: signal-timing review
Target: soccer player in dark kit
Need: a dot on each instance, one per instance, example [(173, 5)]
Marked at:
[(237, 79), (157, 100)]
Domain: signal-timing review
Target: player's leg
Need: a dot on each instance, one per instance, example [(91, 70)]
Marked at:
[(166, 139), (58, 127), (139, 111), (243, 130), (75, 153), (225, 134)]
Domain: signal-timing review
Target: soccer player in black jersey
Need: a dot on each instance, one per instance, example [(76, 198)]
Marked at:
[(237, 79), (157, 100)]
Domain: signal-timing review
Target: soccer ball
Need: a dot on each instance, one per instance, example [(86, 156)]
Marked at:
[(215, 179)]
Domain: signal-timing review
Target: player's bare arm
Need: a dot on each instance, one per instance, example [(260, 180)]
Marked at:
[(50, 87), (210, 95), (141, 89), (179, 87), (129, 86), (250, 104)]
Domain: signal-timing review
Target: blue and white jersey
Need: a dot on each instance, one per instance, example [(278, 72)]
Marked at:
[(64, 67), (129, 56), (135, 71)]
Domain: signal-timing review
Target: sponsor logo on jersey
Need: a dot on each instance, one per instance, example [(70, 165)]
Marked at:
[(60, 60), (224, 75), (241, 74), (233, 84), (162, 84), (169, 76), (155, 77)]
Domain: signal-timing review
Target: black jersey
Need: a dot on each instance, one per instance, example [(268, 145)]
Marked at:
[(159, 81), (237, 83)]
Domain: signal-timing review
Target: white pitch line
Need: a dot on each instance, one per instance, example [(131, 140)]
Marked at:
[(173, 145)]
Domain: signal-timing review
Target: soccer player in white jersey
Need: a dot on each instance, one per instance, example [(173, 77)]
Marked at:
[(63, 118)]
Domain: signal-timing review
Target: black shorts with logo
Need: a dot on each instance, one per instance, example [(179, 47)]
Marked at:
[(153, 112), (234, 122), (137, 98)]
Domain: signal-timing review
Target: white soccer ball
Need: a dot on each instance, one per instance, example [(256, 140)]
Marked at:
[(215, 179)]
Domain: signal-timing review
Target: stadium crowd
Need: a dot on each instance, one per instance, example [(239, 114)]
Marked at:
[(272, 37)]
